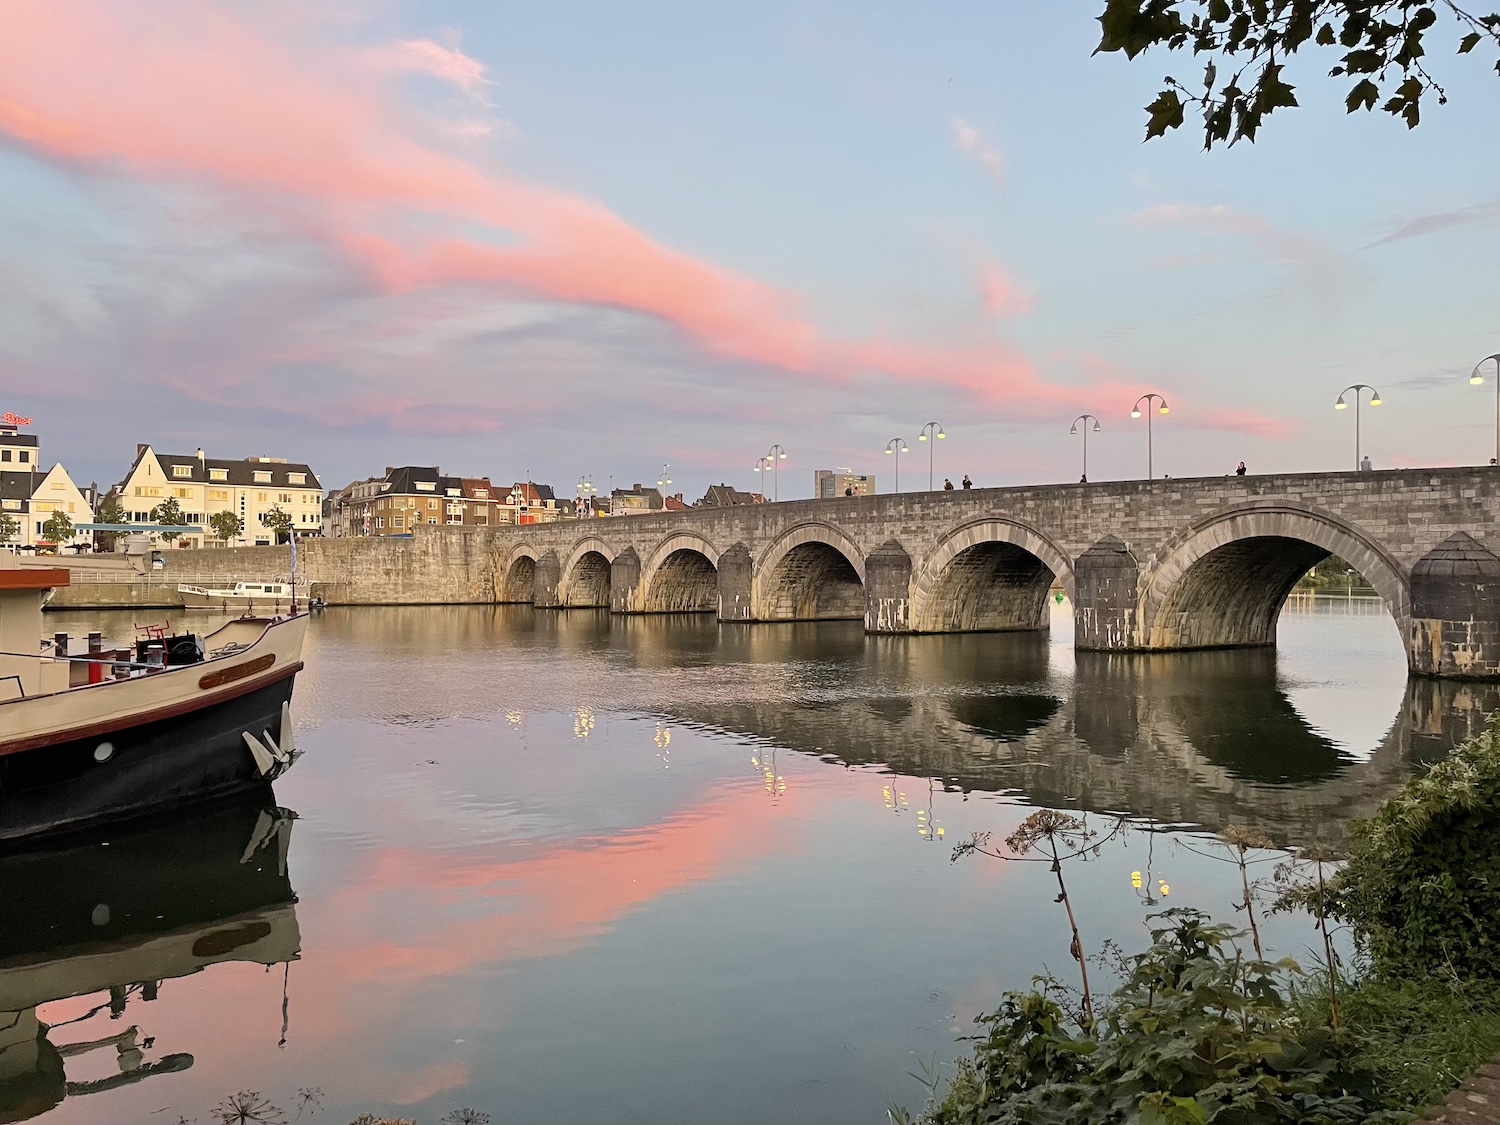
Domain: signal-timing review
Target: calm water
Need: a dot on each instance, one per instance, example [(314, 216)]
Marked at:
[(563, 868)]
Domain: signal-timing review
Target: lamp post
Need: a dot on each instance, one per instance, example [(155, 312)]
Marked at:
[(663, 483), (762, 466), (1342, 405), (894, 448), (1086, 419), (1476, 378), (587, 490), (777, 454), (1136, 413), (937, 435)]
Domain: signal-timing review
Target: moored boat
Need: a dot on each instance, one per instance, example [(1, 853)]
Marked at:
[(90, 739), (240, 597)]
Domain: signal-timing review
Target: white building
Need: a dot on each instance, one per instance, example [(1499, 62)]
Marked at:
[(204, 486), (30, 498)]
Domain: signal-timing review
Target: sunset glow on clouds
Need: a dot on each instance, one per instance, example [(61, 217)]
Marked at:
[(271, 218)]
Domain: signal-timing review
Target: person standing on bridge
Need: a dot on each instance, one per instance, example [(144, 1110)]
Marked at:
[(968, 484), (947, 485), (1239, 472)]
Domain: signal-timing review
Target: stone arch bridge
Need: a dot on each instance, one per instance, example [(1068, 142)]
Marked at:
[(1148, 565)]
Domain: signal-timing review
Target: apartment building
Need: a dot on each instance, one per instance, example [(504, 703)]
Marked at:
[(829, 484)]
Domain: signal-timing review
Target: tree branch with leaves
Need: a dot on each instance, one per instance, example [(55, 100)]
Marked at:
[(1383, 44)]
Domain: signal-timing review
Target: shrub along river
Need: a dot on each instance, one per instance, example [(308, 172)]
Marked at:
[(560, 867)]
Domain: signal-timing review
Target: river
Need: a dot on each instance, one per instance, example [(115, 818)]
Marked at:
[(560, 867)]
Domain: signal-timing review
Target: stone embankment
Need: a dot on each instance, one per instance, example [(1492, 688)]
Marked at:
[(1476, 1102)]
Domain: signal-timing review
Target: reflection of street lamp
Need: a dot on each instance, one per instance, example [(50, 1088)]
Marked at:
[(937, 435), (927, 826), (1136, 413), (1476, 378), (1085, 419), (895, 447), (1342, 405)]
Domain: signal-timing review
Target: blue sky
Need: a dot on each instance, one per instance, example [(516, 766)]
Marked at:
[(587, 239)]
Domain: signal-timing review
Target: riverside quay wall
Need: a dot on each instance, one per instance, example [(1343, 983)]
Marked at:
[(1149, 565)]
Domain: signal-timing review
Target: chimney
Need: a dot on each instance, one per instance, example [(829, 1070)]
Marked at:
[(637, 487), (140, 449), (202, 461)]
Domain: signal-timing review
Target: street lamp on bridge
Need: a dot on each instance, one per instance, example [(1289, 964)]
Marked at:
[(895, 447), (1375, 400), (935, 431), (762, 466), (587, 490), (1085, 419), (1476, 378), (777, 454), (1149, 398)]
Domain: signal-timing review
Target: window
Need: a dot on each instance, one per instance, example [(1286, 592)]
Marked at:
[(432, 519), (10, 505), (262, 476), (43, 506), (25, 456), (218, 474), (4, 455), (398, 521), (296, 478), (182, 493), (283, 497), (380, 522), (426, 486), (184, 471), (455, 492), (432, 505), (218, 494), (260, 497)]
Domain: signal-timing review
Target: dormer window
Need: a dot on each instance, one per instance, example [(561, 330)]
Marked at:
[(218, 474), (262, 476), (296, 478), (183, 471), (426, 486), (455, 492)]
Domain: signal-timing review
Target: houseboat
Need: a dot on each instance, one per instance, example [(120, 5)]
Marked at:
[(172, 720), (241, 597)]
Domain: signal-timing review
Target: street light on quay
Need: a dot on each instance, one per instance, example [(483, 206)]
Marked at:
[(777, 454), (1149, 398), (933, 430), (1085, 419), (1476, 378), (895, 447), (1375, 400)]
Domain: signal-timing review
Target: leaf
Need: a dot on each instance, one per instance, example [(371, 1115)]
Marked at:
[(1469, 42), (1166, 113), (1364, 94)]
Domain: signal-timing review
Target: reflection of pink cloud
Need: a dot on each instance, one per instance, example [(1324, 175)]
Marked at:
[(435, 1079)]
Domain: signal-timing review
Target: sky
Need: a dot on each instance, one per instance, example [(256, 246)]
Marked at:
[(581, 239)]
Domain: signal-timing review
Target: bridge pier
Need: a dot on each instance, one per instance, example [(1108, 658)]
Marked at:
[(545, 580), (736, 583), (888, 589), (1455, 611), (624, 581), (1106, 588)]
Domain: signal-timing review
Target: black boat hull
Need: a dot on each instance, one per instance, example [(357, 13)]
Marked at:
[(148, 766)]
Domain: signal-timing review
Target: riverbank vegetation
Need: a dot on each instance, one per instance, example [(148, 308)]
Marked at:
[(1334, 576), (1203, 1028)]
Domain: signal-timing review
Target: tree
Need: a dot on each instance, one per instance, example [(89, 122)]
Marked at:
[(58, 528), (10, 527), (226, 525), (279, 522), (1383, 45), (110, 511), (169, 513)]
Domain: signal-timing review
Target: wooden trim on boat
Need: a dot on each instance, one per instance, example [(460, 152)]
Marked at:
[(238, 672), (169, 711), (35, 578)]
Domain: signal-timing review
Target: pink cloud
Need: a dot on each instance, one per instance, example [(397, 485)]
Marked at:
[(1000, 293), (972, 144), (423, 56)]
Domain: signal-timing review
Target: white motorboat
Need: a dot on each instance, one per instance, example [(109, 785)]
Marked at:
[(241, 597)]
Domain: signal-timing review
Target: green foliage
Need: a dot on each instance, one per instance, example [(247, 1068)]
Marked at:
[(278, 521), (1382, 46), (226, 525), (1197, 1033), (10, 527), (1422, 883), (169, 512), (110, 511), (1333, 573), (58, 528)]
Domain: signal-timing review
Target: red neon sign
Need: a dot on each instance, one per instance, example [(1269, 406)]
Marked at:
[(16, 420)]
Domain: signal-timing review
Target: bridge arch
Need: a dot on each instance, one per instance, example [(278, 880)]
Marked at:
[(987, 575), (515, 576), (681, 576), (811, 571), (585, 574), (1222, 583)]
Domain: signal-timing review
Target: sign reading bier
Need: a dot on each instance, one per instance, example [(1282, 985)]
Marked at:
[(15, 419)]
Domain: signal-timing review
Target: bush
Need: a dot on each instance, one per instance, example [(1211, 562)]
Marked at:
[(1422, 884), (1197, 1033)]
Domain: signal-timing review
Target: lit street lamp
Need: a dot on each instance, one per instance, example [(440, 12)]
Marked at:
[(895, 447), (762, 466), (936, 432), (587, 490), (1476, 378), (1136, 413), (777, 454), (1342, 405), (1085, 419)]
